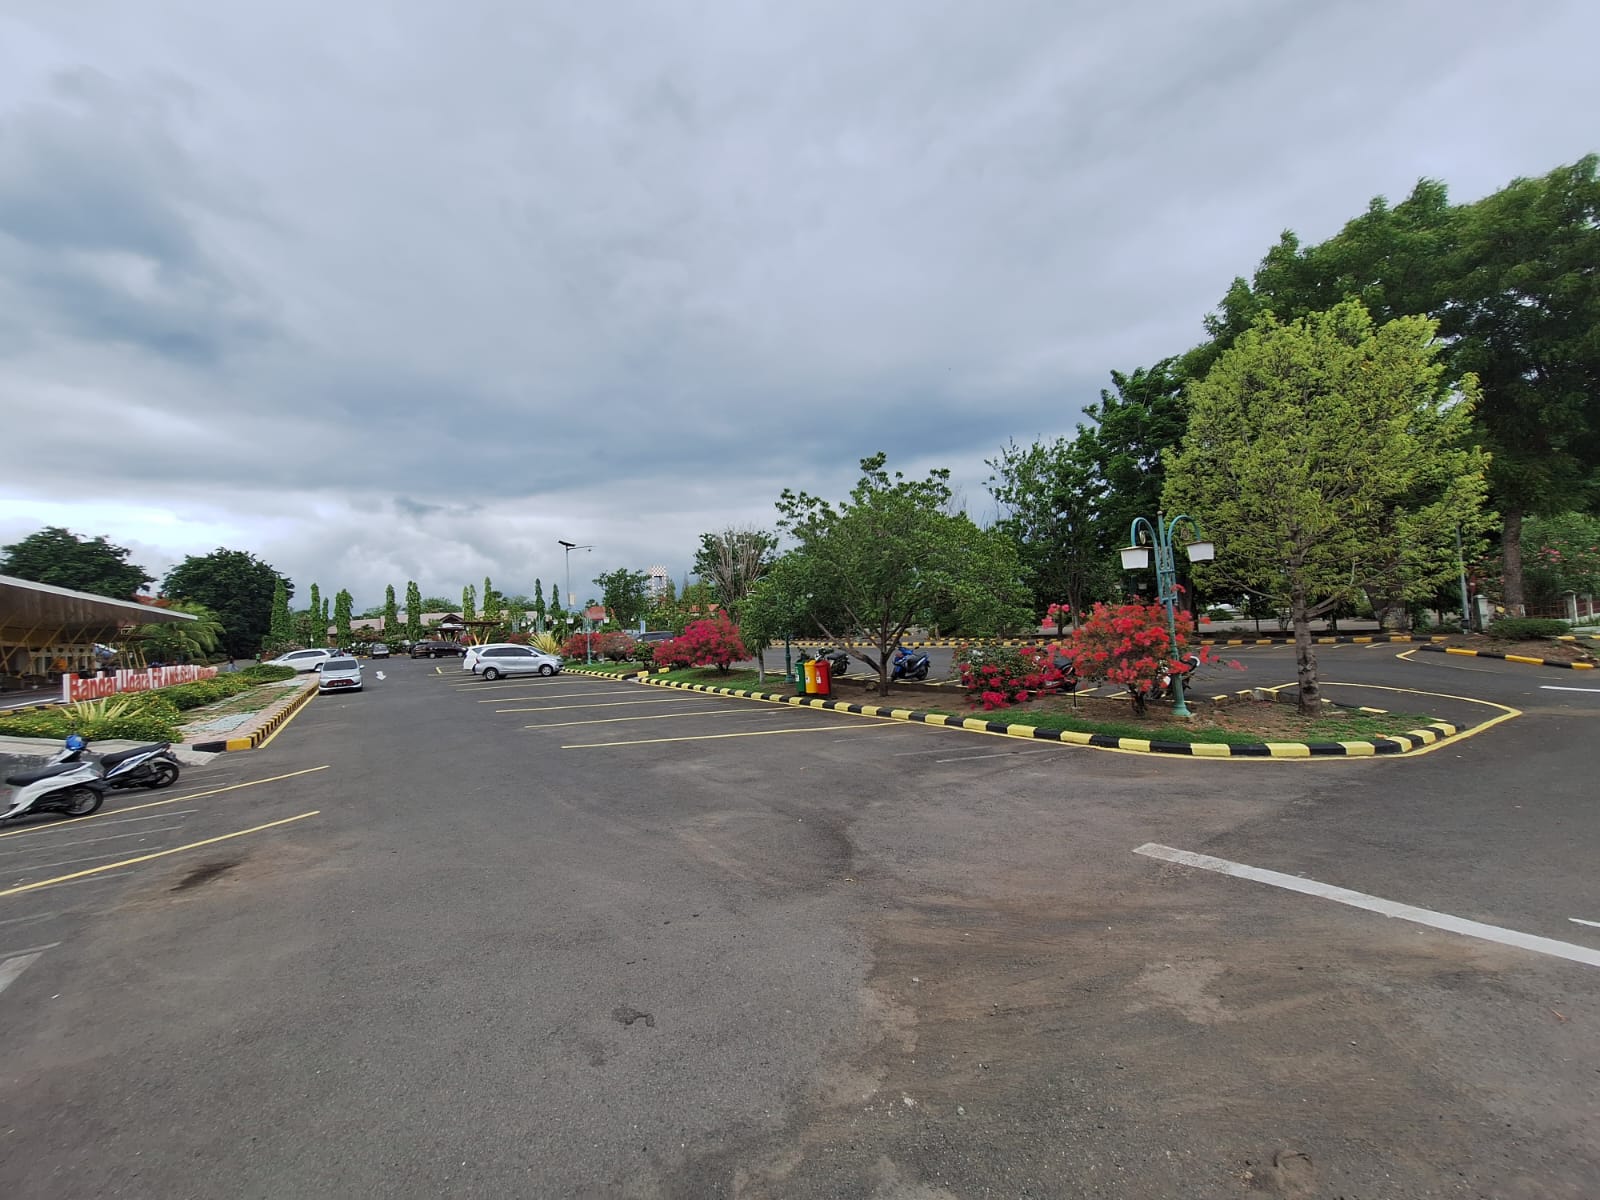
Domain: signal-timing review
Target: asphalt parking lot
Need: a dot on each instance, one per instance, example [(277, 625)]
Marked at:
[(582, 937)]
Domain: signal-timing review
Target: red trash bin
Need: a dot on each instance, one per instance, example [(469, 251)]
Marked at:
[(824, 678)]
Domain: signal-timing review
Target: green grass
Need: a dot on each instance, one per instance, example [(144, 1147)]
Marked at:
[(1336, 726)]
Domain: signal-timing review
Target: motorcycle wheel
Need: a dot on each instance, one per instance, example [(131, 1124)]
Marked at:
[(162, 774), (922, 673), (80, 802)]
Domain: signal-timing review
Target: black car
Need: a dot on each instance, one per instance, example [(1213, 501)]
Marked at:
[(438, 650)]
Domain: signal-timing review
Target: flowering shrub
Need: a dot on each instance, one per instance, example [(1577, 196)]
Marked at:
[(711, 643), (1128, 644), (1000, 676)]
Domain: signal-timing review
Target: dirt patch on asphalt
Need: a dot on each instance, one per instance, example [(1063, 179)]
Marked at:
[(1101, 1051)]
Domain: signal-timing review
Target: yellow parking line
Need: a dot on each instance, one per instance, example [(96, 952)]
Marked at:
[(117, 812), (707, 737), (128, 862), (604, 704), (652, 717)]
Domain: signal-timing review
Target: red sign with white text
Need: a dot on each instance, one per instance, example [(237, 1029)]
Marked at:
[(97, 687)]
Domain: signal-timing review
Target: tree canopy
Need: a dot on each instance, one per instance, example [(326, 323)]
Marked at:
[(624, 594), (873, 565), (1325, 454), (61, 558), (237, 587)]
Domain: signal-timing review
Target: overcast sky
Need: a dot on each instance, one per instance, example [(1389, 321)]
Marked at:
[(382, 297)]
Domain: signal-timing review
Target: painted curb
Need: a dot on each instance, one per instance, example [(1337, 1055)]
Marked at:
[(1516, 658), (1395, 746), (258, 736), (1328, 639), (44, 706)]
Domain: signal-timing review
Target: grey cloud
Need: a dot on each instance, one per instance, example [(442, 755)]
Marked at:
[(416, 297)]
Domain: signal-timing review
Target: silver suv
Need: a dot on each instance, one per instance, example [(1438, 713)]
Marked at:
[(507, 658)]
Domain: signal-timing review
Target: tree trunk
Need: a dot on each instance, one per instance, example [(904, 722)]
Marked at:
[(1305, 658), (1511, 563)]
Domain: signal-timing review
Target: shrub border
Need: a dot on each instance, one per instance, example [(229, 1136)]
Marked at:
[(1409, 742)]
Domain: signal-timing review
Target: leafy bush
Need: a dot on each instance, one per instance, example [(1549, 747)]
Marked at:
[(644, 653), (1128, 644), (1000, 676), (263, 673), (204, 691), (141, 716), (1521, 629), (712, 643)]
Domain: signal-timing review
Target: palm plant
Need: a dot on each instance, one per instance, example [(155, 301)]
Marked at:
[(179, 641)]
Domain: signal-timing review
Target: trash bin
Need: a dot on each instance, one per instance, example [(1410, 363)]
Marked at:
[(808, 682), (824, 678)]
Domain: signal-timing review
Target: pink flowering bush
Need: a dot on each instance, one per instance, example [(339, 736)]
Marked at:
[(1000, 676), (1130, 645)]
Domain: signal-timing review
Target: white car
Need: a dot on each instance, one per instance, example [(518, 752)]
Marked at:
[(340, 675), (507, 658), (301, 660)]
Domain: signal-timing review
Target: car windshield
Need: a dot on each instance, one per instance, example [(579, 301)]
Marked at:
[(340, 664)]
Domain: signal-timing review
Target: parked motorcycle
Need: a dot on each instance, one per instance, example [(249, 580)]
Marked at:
[(74, 789), (908, 664), (1164, 688), (151, 766), (838, 660)]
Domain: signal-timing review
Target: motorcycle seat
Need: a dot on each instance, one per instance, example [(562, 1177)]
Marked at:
[(111, 760), (27, 777)]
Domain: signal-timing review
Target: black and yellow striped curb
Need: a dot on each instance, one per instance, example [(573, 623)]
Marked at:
[(1326, 639), (259, 735), (1576, 637), (42, 706), (1516, 658), (1397, 744)]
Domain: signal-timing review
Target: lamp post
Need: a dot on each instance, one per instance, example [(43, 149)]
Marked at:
[(1136, 557), (569, 547)]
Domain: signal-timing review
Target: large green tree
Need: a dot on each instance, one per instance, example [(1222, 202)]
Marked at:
[(315, 620), (624, 594), (892, 553), (1514, 281), (1523, 313), (61, 558), (391, 611), (237, 587), (1325, 454), (1051, 498)]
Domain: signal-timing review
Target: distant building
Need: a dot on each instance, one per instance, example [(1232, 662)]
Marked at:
[(658, 582)]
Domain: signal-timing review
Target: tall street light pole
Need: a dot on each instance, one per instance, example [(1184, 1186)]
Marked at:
[(569, 547), (1136, 556)]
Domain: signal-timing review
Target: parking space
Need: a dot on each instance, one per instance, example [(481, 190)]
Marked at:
[(55, 870)]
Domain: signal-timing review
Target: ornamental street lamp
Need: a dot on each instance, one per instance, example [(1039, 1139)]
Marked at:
[(1136, 557)]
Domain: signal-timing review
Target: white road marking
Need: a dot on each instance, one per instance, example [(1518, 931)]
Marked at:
[(1001, 754), (54, 846), (1551, 687), (11, 968), (28, 920), (1387, 908), (1581, 921), (381, 675), (29, 950)]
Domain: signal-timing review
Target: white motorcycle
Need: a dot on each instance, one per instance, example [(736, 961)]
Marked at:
[(74, 789), (152, 766)]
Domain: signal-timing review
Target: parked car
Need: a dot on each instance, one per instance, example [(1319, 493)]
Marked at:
[(340, 675), (506, 658), (654, 635), (379, 650), (437, 649), (301, 660)]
